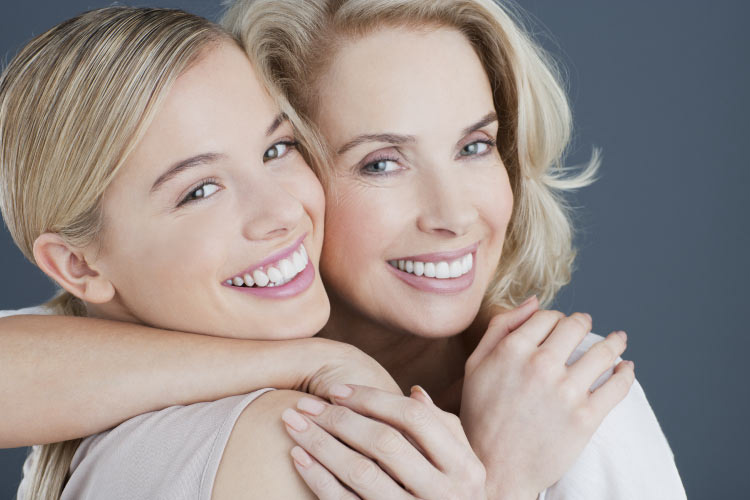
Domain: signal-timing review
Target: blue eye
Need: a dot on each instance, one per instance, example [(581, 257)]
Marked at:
[(204, 190), (475, 148), (383, 166), (278, 150)]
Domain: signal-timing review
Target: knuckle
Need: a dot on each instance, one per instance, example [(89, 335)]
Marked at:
[(323, 483), (389, 442), (415, 414), (336, 416), (475, 473), (568, 392), (580, 319), (317, 443), (542, 364), (550, 315), (514, 345), (363, 474)]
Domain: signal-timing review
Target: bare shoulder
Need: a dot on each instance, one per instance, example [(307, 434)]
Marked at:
[(256, 461)]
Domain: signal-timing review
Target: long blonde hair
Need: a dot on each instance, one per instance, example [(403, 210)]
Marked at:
[(296, 40), (73, 104)]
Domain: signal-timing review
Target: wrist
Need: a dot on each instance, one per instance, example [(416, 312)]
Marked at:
[(498, 489)]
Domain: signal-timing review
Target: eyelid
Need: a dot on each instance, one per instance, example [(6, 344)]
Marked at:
[(183, 200)]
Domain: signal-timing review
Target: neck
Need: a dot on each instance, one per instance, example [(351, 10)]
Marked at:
[(437, 364)]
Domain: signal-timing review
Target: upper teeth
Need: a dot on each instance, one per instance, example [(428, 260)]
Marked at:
[(277, 274), (441, 270)]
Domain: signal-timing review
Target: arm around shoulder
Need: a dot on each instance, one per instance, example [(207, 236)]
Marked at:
[(256, 463)]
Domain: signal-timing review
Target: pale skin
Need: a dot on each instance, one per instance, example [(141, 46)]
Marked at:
[(264, 415)]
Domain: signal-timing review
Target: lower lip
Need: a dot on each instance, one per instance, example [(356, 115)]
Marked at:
[(434, 285), (299, 284)]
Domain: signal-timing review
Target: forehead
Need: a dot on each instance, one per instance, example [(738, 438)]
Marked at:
[(216, 105), (398, 75)]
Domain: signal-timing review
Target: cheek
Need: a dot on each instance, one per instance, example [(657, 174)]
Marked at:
[(495, 201), (360, 223)]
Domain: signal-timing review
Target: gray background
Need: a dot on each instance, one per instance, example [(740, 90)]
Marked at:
[(661, 87)]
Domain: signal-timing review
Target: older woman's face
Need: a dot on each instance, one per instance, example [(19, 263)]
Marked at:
[(212, 208), (421, 199)]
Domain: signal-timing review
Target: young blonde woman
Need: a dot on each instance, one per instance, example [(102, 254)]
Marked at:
[(144, 291)]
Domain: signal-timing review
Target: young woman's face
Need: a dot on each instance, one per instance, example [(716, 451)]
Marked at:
[(421, 199), (216, 193)]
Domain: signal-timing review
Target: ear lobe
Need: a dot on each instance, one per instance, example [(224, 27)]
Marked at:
[(67, 265)]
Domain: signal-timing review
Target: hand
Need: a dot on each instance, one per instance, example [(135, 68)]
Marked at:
[(343, 363), (382, 446), (527, 414)]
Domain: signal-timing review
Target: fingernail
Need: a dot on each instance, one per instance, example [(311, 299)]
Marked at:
[(294, 420), (418, 388), (623, 335), (311, 406), (341, 391), (301, 457), (591, 320), (527, 301), (631, 363)]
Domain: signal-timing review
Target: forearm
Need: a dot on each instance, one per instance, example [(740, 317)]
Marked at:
[(67, 377)]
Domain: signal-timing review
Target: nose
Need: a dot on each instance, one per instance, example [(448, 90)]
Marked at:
[(270, 210), (447, 207)]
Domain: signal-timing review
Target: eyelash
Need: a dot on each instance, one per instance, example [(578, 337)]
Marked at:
[(489, 142), (205, 182)]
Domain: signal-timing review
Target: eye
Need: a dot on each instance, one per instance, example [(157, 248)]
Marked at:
[(383, 166), (206, 189), (475, 148), (278, 150)]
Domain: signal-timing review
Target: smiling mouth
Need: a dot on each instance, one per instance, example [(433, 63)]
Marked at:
[(444, 269), (288, 266)]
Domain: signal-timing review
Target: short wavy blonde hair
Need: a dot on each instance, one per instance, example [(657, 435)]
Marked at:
[(294, 42)]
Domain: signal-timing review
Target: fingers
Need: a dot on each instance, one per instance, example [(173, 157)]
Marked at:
[(611, 392), (318, 478), (414, 418), (567, 334), (599, 358), (359, 473), (373, 439), (536, 329), (451, 421), (501, 325)]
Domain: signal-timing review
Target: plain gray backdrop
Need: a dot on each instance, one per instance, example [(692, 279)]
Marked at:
[(662, 88)]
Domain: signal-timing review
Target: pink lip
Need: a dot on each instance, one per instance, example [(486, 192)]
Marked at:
[(438, 256), (273, 258), (299, 284), (435, 285)]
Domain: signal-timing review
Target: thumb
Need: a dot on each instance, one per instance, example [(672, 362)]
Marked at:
[(501, 325)]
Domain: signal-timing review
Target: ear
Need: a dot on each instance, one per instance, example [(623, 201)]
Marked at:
[(68, 266)]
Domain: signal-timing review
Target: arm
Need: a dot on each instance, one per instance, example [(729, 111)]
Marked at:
[(111, 371)]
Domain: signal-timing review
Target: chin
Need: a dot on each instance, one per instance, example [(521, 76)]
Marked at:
[(435, 326)]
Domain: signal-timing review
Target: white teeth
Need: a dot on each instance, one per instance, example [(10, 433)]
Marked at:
[(298, 262), (281, 273), (274, 275), (429, 269), (442, 270), (456, 270), (419, 268), (261, 278), (287, 269), (439, 270)]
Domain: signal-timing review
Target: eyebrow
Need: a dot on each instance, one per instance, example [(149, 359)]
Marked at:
[(389, 138), (205, 158), (401, 139), (486, 120)]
